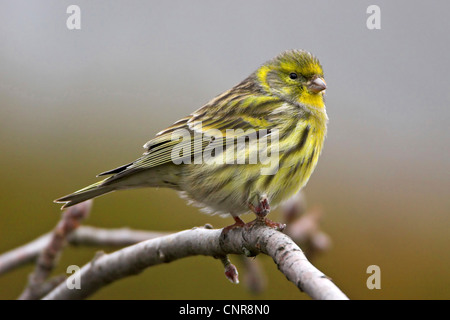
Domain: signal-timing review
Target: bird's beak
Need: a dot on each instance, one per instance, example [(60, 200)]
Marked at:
[(317, 85)]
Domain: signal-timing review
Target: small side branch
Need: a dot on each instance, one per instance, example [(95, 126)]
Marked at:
[(82, 236), (49, 256)]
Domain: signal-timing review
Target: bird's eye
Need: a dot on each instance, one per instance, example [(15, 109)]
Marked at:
[(293, 75)]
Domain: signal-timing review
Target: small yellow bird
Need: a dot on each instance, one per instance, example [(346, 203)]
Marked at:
[(277, 113)]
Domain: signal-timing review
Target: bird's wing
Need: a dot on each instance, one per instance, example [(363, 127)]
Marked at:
[(217, 116)]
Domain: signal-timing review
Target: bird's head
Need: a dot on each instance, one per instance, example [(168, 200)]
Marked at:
[(295, 76)]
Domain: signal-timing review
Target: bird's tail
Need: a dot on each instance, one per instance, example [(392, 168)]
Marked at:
[(125, 178), (89, 192)]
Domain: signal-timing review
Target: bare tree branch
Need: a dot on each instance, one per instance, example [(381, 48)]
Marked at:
[(48, 257), (82, 236), (121, 237), (250, 241), (303, 227), (24, 254)]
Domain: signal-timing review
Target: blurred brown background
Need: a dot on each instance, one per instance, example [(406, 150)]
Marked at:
[(76, 103)]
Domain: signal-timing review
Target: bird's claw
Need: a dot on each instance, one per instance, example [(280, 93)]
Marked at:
[(262, 209)]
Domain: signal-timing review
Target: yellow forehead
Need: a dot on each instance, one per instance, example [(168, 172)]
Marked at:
[(306, 68), (299, 61)]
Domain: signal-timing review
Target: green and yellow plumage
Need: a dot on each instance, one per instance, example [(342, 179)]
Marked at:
[(286, 94)]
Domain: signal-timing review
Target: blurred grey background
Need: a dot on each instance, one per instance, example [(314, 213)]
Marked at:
[(78, 102)]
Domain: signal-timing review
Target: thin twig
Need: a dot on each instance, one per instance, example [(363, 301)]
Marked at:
[(254, 276), (82, 236), (23, 255), (121, 237), (48, 257), (303, 226)]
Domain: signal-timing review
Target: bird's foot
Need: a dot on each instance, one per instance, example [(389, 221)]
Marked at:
[(261, 210), (239, 223), (265, 221), (274, 225)]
